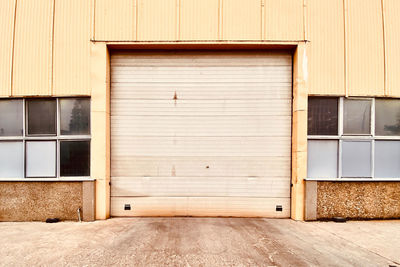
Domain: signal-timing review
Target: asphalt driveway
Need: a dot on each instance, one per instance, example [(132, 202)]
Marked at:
[(200, 242)]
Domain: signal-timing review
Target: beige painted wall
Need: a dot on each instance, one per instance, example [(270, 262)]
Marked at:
[(59, 47), (45, 46)]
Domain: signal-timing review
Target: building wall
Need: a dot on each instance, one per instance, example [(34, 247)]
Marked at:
[(45, 44), (37, 201), (60, 48), (358, 200)]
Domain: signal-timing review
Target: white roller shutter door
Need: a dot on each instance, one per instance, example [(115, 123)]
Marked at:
[(201, 133)]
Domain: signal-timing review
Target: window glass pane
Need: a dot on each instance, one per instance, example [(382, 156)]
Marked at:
[(322, 116), (74, 158), (11, 160), (387, 159), (322, 159), (356, 159), (40, 158), (42, 116), (387, 117), (11, 117), (75, 116), (357, 116)]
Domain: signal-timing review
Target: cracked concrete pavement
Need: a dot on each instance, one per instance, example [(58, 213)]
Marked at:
[(200, 242)]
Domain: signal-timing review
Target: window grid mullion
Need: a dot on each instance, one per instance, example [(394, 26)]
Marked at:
[(340, 129), (58, 141)]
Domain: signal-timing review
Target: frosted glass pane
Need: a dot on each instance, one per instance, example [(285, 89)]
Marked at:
[(11, 160), (387, 159), (387, 117), (41, 159), (11, 117), (75, 116), (322, 159), (322, 116), (357, 116), (356, 159)]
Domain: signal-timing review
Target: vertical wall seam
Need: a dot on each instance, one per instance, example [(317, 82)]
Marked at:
[(304, 19), (346, 80), (52, 50), (178, 19), (262, 19), (12, 52), (93, 20), (386, 90), (137, 18), (220, 19), (134, 20)]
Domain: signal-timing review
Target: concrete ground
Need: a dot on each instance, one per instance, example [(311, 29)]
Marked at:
[(200, 242)]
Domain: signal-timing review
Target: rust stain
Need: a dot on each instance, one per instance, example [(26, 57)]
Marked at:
[(173, 171)]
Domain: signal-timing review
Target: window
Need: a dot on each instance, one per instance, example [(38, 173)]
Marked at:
[(353, 138), (45, 138), (323, 116), (11, 117)]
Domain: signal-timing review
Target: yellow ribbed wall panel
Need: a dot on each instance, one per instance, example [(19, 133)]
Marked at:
[(193, 25), (115, 20), (33, 48), (7, 10), (71, 63), (241, 20), (392, 40), (284, 20), (365, 50), (326, 58), (157, 20)]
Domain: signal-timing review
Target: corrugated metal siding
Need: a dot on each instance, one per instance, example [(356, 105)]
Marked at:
[(161, 146), (193, 26), (7, 10), (71, 48), (284, 20), (241, 22), (157, 20), (392, 41), (115, 20), (32, 68), (364, 44), (326, 57)]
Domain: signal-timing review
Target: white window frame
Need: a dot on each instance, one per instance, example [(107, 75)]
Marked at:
[(58, 138), (340, 138)]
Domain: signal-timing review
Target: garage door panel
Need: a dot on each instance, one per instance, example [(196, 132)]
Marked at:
[(201, 58), (136, 166), (200, 186), (201, 108), (201, 206), (200, 146), (200, 126), (243, 91), (201, 133)]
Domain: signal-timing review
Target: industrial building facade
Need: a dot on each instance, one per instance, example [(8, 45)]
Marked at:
[(258, 108)]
